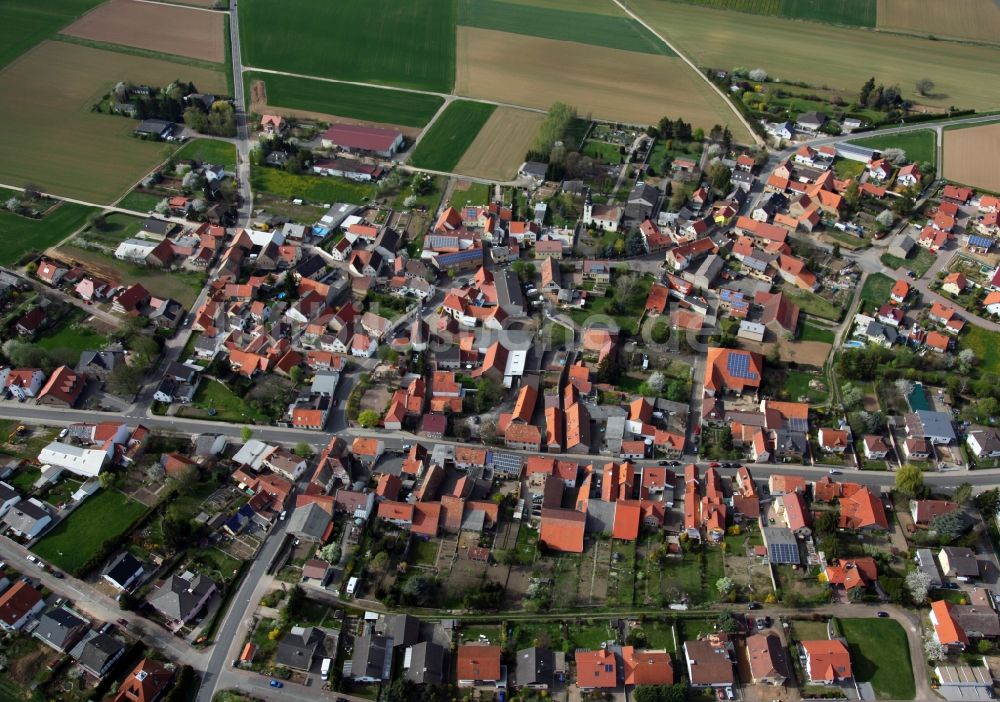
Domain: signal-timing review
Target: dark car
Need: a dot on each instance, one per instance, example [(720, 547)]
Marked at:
[(276, 683), (675, 463), (754, 605), (57, 575), (882, 614), (122, 622), (663, 463)]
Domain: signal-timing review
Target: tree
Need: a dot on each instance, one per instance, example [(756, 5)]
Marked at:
[(488, 431), (295, 602), (967, 358), (925, 86), (910, 481), (719, 177), (246, 433), (724, 585), (634, 243), (418, 590), (380, 561), (851, 396), (303, 449), (489, 394), (852, 195), (949, 526), (988, 503), (295, 374), (826, 522), (330, 553), (884, 219), (904, 387), (935, 651), (607, 370), (656, 382), (369, 419), (963, 493), (918, 583), (727, 622), (866, 91), (758, 75), (125, 380), (894, 156), (904, 204)]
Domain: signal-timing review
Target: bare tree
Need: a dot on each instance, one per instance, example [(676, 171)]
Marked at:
[(925, 85)]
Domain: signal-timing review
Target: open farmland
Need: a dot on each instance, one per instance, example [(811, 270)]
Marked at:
[(410, 44), (563, 24), (858, 13), (971, 156), (536, 72), (21, 234), (317, 98), (144, 25), (600, 7), (964, 74), (968, 19), (443, 144), (27, 22), (499, 148), (87, 155)]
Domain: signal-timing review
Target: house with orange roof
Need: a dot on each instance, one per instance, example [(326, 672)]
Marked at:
[(784, 484), (827, 661), (851, 573), (146, 683), (933, 239), (367, 450), (523, 437), (954, 283), (397, 513), (478, 665), (63, 388), (646, 667), (426, 518), (768, 659), (947, 630), (863, 511), (793, 270), (732, 370), (596, 670), (562, 529), (791, 508), (628, 514), (936, 341), (900, 290), (833, 440)]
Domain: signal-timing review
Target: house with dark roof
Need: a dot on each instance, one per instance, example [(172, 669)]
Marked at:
[(181, 596), (61, 628), (124, 571), (97, 652), (426, 663), (63, 388), (298, 647), (710, 662), (372, 659), (535, 668)]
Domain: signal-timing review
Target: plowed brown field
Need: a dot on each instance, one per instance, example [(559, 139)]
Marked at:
[(971, 156), (171, 30), (500, 146)]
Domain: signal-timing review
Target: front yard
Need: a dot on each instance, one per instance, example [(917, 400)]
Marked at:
[(216, 400)]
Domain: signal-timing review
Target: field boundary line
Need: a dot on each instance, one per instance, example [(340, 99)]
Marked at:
[(183, 6), (743, 120), (430, 123), (417, 91)]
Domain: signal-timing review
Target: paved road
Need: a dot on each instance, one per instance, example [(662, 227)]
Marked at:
[(243, 143), (94, 603)]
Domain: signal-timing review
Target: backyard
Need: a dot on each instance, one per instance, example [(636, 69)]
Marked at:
[(986, 345), (76, 539), (216, 400), (919, 263)]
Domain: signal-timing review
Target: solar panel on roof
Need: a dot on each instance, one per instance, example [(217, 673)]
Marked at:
[(738, 365), (784, 553)]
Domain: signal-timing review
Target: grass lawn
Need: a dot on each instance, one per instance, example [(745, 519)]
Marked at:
[(919, 145), (117, 228), (213, 151), (19, 235), (73, 334), (846, 168), (351, 101), (74, 540), (659, 635), (880, 655), (213, 395), (215, 564), (797, 385), (450, 135), (182, 286), (693, 628), (313, 188), (804, 630), (423, 552), (919, 263), (561, 24), (415, 41), (25, 478), (590, 634), (475, 194), (472, 632), (602, 151), (536, 633), (814, 332), (599, 308), (813, 304), (138, 201), (986, 344), (877, 288)]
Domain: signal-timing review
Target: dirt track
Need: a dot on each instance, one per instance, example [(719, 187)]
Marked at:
[(170, 30)]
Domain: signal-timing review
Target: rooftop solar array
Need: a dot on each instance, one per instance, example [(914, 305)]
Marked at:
[(738, 365), (509, 463), (983, 241), (783, 553)]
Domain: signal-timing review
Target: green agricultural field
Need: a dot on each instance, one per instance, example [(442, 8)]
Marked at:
[(19, 235), (726, 40), (561, 24), (312, 188), (451, 134), (880, 655), (27, 22), (410, 44), (856, 13), (351, 101), (919, 145), (218, 153), (74, 540)]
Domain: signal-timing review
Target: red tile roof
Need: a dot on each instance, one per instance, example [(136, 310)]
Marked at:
[(479, 663), (596, 670)]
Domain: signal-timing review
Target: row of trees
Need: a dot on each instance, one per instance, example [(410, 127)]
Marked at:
[(553, 129), (220, 120)]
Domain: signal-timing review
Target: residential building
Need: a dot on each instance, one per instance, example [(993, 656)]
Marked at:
[(478, 665), (827, 661)]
